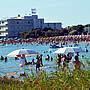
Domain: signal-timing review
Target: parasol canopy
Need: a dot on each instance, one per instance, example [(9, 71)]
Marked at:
[(26, 52), (69, 50)]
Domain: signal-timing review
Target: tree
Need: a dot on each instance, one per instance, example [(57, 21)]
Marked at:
[(74, 32)]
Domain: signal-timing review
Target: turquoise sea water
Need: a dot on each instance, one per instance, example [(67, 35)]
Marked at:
[(12, 65)]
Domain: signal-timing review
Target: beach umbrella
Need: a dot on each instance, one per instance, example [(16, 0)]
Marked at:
[(69, 50), (26, 52)]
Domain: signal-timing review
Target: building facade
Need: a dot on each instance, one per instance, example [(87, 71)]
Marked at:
[(53, 26), (13, 26), (87, 29)]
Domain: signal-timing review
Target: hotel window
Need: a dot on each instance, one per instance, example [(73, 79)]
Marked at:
[(48, 24), (12, 22), (28, 22), (54, 25), (17, 22), (41, 22)]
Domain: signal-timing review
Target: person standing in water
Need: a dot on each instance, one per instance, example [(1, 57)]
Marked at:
[(58, 60), (5, 59), (37, 63), (23, 60), (40, 58), (76, 64)]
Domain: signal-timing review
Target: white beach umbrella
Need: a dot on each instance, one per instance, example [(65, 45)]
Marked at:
[(69, 50), (26, 52)]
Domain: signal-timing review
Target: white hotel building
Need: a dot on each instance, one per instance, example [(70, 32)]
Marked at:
[(13, 26)]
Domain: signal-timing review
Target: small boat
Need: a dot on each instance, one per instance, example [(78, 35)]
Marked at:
[(54, 46)]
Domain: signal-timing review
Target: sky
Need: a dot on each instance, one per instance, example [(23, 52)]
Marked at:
[(68, 12)]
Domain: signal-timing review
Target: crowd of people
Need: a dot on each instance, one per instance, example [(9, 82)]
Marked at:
[(58, 39), (61, 59), (38, 62), (67, 59)]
